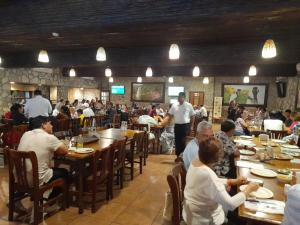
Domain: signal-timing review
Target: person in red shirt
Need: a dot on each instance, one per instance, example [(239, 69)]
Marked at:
[(152, 112)]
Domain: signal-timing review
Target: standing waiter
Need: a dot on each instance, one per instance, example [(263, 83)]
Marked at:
[(183, 114)]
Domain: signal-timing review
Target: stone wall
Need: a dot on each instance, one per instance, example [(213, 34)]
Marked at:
[(41, 77), (214, 88)]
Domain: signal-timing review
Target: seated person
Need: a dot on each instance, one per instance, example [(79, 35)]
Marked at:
[(42, 141), (203, 112), (225, 166), (167, 138), (292, 206), (205, 195), (145, 119), (274, 123), (288, 118), (87, 111), (295, 118), (154, 115), (17, 112), (204, 130), (240, 124), (64, 113), (73, 112)]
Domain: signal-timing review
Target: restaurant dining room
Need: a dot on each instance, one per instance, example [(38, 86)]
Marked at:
[(150, 112)]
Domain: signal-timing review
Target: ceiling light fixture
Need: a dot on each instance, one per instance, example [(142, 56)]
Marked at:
[(196, 71), (246, 79), (12, 82), (269, 49), (101, 55), (171, 80), (174, 52), (108, 72), (149, 72), (139, 79), (252, 71), (0, 60), (111, 80), (55, 34), (72, 72), (205, 80), (43, 56)]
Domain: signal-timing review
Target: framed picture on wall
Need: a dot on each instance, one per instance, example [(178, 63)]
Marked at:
[(245, 94), (148, 92)]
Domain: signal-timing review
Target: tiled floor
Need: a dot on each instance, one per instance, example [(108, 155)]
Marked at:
[(140, 202)]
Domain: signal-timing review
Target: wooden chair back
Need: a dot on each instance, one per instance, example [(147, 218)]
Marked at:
[(99, 119), (101, 162), (193, 132), (88, 121), (17, 168), (140, 126), (75, 126), (17, 133), (138, 142), (4, 132), (63, 125), (116, 123), (277, 134), (119, 153), (176, 181)]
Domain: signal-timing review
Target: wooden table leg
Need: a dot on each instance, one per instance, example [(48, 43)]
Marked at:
[(80, 186)]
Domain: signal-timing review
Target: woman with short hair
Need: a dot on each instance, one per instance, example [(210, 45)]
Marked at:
[(205, 194)]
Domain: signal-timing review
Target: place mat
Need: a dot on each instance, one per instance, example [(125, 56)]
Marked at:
[(246, 152), (261, 192), (263, 172), (266, 206), (249, 165), (88, 139)]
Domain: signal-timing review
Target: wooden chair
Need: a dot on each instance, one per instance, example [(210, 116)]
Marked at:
[(63, 129), (88, 121), (75, 126), (4, 131), (136, 153), (116, 123), (17, 133), (193, 132), (149, 139), (119, 148), (278, 134), (100, 174), (21, 181), (176, 181)]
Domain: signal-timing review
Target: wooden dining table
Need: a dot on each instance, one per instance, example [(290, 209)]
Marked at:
[(255, 217), (117, 134), (79, 160)]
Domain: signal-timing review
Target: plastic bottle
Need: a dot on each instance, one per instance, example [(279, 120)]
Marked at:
[(80, 141)]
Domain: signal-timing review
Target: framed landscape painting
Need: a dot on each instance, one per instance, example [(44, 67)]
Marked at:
[(245, 94), (148, 92)]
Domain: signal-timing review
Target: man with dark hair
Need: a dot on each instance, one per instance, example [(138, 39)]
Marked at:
[(59, 105), (183, 113), (288, 121), (225, 166), (42, 141), (37, 106)]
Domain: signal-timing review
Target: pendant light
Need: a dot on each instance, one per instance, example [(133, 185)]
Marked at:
[(252, 71), (43, 56), (297, 67), (149, 72), (171, 79), (269, 49), (174, 52), (246, 80), (139, 79), (0, 60), (108, 72), (72, 72), (101, 55), (111, 80), (205, 80), (196, 71)]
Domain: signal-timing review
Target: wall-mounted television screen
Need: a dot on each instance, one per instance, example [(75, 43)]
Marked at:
[(118, 90), (174, 91)]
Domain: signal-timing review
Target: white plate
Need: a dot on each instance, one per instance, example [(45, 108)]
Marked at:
[(246, 152), (246, 137), (264, 173), (295, 154), (279, 141), (81, 150), (272, 144), (283, 157), (261, 192), (247, 143), (290, 146)]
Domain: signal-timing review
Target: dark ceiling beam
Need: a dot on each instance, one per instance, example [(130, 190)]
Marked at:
[(206, 70), (235, 53)]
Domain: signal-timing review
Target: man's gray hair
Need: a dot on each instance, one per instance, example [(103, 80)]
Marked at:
[(203, 125)]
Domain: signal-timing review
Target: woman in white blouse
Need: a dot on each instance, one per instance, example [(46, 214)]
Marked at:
[(205, 195)]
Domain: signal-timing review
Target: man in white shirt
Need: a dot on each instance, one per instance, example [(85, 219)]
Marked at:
[(59, 105), (87, 111), (204, 130), (183, 114), (37, 106), (274, 123), (44, 144)]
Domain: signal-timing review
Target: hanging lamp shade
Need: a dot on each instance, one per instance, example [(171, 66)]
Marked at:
[(149, 72), (297, 66), (43, 56), (108, 72), (269, 49), (205, 80), (0, 60), (171, 79), (196, 71), (252, 71), (139, 79), (246, 79), (111, 80), (101, 55), (174, 52), (72, 72)]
